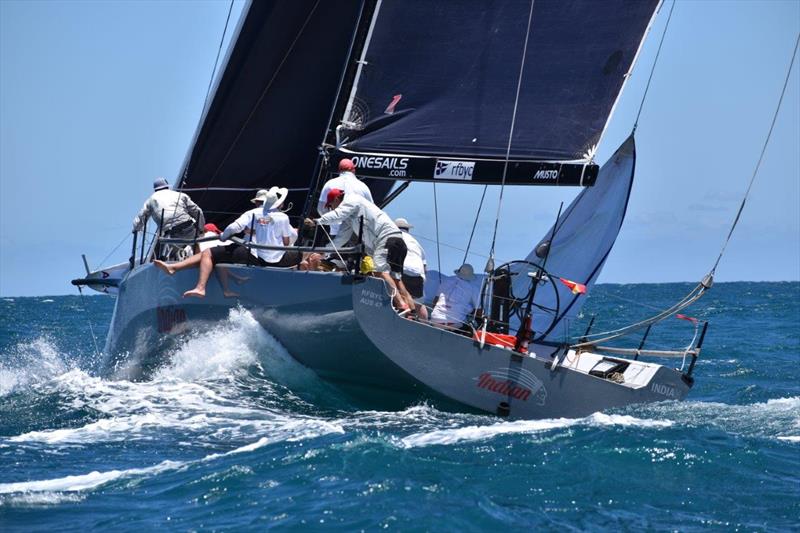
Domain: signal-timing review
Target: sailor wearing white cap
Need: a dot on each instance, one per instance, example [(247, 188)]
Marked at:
[(182, 218), (414, 266), (457, 298)]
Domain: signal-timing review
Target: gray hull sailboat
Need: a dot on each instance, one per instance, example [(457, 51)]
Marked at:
[(500, 93)]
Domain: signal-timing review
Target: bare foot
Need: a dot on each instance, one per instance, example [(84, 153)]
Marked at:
[(195, 293), (230, 294), (163, 266)]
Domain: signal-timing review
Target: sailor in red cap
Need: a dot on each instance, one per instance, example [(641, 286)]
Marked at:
[(382, 239), (347, 182)]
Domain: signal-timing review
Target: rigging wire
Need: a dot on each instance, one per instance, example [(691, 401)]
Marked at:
[(438, 250), (474, 224), (216, 61), (511, 132), (89, 320), (760, 158), (653, 68)]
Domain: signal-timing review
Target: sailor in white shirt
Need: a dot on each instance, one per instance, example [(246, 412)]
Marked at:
[(457, 298), (382, 239), (346, 181), (269, 227), (414, 267)]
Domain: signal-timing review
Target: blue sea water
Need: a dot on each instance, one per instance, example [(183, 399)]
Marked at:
[(232, 434)]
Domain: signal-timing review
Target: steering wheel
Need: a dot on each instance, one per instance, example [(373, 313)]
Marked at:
[(520, 302)]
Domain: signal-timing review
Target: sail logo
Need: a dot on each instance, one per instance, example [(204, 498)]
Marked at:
[(545, 175), (454, 170), (519, 384), (397, 166)]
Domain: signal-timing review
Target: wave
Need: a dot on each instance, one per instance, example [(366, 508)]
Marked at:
[(30, 363), (479, 433)]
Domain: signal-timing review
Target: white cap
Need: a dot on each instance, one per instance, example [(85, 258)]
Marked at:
[(465, 272), (402, 223)]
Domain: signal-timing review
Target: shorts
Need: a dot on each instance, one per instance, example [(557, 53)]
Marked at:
[(235, 253), (391, 257), (290, 258), (414, 284)]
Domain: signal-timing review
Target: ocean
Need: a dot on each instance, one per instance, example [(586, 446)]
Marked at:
[(231, 434)]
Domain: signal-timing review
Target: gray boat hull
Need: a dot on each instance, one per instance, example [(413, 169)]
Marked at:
[(346, 330)]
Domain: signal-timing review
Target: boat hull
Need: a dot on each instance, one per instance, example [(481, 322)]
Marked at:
[(309, 313), (498, 380)]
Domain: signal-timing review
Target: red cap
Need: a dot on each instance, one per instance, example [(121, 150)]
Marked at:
[(212, 227), (333, 194), (347, 165)]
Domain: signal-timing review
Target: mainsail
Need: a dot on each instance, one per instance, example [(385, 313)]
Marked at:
[(447, 79)]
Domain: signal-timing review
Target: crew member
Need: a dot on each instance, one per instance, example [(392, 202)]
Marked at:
[(456, 298), (346, 181), (381, 237), (414, 267), (182, 218)]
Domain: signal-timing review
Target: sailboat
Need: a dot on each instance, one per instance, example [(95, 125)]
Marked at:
[(492, 93)]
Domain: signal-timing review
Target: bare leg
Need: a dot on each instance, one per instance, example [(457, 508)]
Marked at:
[(180, 265), (206, 266), (398, 300), (310, 261), (223, 274), (422, 311)]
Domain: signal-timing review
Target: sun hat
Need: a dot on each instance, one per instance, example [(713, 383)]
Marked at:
[(347, 165), (160, 183), (402, 223), (274, 197), (260, 196), (465, 272), (212, 227), (333, 194)]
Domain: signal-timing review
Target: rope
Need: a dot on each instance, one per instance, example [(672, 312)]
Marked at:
[(511, 131), (653, 68), (760, 158), (436, 215), (125, 238), (475, 224)]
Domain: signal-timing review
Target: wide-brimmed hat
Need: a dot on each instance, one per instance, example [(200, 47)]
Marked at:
[(274, 197), (160, 183), (402, 223), (465, 272)]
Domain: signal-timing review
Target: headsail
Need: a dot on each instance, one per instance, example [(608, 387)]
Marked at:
[(439, 79), (272, 105), (585, 234)]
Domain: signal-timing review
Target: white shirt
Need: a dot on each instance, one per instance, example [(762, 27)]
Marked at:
[(270, 228), (378, 226), (210, 244), (457, 298), (347, 182), (176, 206), (415, 263)]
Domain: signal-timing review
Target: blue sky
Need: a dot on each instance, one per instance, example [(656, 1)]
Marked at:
[(98, 98)]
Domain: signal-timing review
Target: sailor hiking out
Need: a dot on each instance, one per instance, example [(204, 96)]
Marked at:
[(265, 224), (382, 239), (177, 216)]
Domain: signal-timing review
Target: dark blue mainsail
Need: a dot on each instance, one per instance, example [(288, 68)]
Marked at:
[(440, 78)]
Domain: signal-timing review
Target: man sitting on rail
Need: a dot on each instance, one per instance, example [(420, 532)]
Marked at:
[(269, 226), (382, 239)]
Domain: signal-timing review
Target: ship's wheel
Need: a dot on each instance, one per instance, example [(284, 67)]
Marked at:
[(544, 282)]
